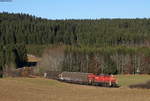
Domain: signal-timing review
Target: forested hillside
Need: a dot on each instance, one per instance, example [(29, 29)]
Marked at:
[(21, 28), (99, 46)]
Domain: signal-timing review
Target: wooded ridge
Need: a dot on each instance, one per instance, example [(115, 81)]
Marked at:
[(103, 45)]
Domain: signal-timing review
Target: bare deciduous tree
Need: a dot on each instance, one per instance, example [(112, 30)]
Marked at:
[(52, 60)]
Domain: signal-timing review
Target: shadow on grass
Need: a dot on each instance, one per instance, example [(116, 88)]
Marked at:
[(142, 85)]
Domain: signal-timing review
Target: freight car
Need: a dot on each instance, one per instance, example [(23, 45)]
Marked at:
[(89, 79)]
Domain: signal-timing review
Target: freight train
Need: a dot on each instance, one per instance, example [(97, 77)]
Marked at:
[(89, 79)]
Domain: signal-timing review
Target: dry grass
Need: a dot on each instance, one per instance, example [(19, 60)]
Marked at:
[(39, 89)]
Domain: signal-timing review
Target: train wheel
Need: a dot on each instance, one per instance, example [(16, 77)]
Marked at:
[(106, 85), (94, 84)]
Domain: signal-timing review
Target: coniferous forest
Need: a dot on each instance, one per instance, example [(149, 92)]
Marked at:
[(99, 46)]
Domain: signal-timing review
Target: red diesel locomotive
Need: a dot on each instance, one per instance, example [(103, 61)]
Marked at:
[(89, 79)]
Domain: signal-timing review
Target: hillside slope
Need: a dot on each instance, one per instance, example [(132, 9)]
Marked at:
[(39, 89)]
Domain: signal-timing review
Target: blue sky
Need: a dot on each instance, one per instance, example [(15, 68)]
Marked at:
[(79, 9)]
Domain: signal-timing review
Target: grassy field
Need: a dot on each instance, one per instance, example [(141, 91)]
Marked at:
[(126, 80), (40, 89)]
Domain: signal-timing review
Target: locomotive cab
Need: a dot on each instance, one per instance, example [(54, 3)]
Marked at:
[(103, 80)]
